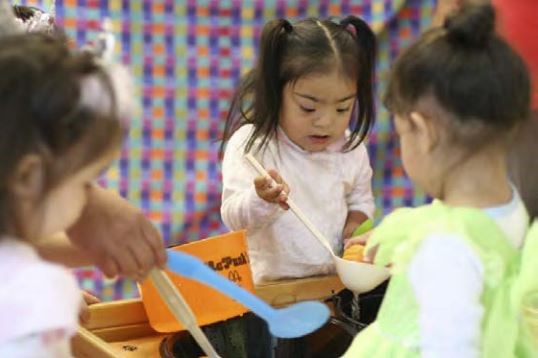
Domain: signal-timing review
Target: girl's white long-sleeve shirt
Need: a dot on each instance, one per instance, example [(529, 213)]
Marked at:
[(325, 185)]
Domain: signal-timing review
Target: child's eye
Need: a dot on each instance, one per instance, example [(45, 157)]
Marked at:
[(307, 110), (343, 110)]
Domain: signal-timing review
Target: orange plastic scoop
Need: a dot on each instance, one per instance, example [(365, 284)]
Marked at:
[(227, 255)]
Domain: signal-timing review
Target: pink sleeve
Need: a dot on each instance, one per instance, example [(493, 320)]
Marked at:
[(42, 298)]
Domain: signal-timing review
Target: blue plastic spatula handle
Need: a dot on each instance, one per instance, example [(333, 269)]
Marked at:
[(293, 321)]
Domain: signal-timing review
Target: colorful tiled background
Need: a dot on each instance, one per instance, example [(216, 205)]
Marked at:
[(186, 57)]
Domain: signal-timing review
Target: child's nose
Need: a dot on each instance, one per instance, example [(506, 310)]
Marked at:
[(323, 120)]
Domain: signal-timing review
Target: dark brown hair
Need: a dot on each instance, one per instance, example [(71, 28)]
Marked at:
[(41, 111), (470, 71), (289, 52)]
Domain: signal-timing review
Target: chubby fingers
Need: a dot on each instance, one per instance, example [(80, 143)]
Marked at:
[(272, 189), (282, 198)]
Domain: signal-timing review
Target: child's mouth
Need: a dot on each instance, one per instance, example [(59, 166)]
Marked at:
[(319, 139)]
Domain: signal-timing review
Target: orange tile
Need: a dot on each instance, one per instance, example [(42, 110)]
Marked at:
[(203, 92), (203, 51), (203, 113), (158, 48), (158, 7), (156, 195), (200, 197), (405, 32), (156, 174), (155, 215), (158, 70), (158, 28), (202, 30), (157, 153), (158, 91), (397, 192), (158, 112), (406, 12), (202, 134), (202, 11), (292, 11), (157, 133), (203, 71), (397, 172), (334, 10), (70, 22), (201, 154)]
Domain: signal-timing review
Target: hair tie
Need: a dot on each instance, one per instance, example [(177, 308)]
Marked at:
[(288, 27), (351, 29)]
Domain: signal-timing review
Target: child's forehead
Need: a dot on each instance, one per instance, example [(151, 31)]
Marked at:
[(324, 85)]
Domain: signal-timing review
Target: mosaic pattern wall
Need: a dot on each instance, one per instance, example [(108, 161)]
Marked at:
[(187, 57)]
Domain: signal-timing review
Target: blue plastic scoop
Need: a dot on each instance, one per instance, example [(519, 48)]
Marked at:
[(293, 321)]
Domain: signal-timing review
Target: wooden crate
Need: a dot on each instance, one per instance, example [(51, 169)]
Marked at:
[(121, 328)]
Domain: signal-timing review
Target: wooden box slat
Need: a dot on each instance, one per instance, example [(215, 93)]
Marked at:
[(121, 328)]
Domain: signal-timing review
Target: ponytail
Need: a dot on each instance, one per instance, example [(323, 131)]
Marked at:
[(266, 83), (268, 78), (366, 42)]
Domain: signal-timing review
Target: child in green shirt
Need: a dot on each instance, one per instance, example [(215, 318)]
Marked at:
[(458, 277)]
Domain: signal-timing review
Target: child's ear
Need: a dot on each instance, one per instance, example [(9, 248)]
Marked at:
[(427, 131), (28, 180)]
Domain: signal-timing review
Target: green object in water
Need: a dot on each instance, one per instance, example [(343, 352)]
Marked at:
[(363, 228)]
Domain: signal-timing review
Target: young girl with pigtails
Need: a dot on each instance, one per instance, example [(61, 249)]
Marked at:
[(304, 112)]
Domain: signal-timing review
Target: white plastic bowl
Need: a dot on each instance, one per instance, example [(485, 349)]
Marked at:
[(360, 277)]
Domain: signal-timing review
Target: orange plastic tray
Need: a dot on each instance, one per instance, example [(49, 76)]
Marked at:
[(227, 254)]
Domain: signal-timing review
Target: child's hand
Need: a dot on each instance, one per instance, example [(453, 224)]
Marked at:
[(357, 240), (362, 240), (268, 191), (84, 313)]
